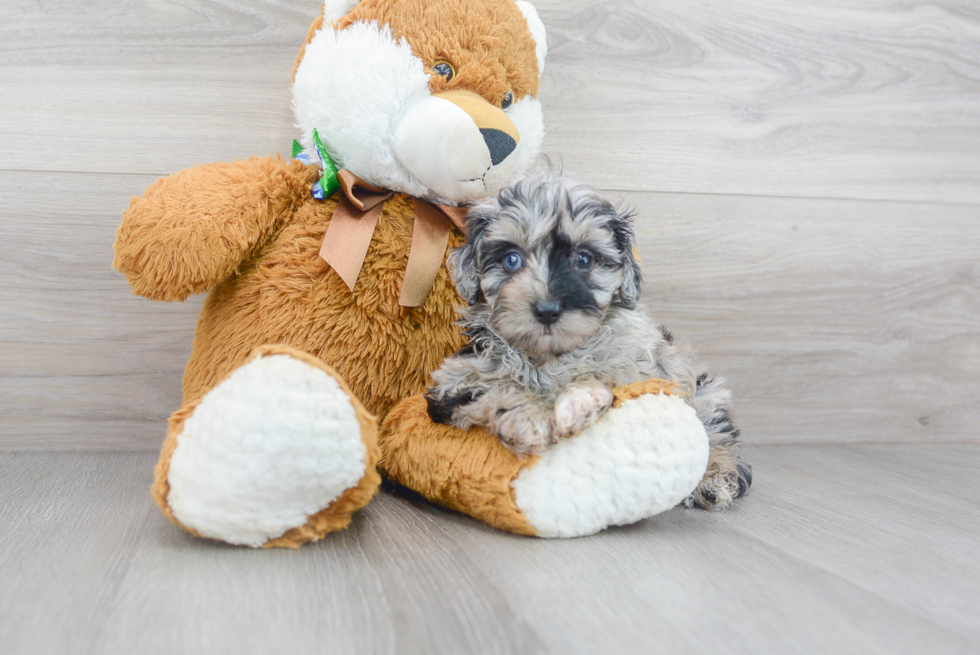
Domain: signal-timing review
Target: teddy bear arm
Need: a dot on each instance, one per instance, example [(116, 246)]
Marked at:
[(192, 229)]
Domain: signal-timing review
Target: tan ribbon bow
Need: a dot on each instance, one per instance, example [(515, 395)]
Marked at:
[(348, 236)]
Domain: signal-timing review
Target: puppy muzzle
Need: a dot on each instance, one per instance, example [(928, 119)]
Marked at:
[(547, 312)]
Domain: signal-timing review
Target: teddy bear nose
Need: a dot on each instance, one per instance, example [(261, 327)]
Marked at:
[(499, 142), (547, 311)]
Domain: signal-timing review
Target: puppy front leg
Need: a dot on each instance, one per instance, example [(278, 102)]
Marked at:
[(522, 421), (526, 429), (581, 405)]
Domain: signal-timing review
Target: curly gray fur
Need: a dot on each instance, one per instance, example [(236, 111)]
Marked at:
[(532, 376)]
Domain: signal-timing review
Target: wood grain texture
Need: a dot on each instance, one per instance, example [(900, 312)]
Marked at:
[(807, 179), (873, 100), (838, 549), (835, 320), (83, 362), (801, 98), (829, 553)]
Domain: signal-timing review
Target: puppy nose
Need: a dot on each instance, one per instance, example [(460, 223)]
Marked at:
[(547, 311), (499, 142)]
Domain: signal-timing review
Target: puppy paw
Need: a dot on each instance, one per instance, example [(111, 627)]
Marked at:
[(720, 487), (580, 407), (525, 430)]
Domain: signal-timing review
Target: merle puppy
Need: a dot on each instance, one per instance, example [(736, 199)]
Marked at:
[(552, 284)]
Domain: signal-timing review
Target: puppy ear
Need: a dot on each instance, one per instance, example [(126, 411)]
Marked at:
[(629, 292), (462, 265), (462, 262), (622, 227)]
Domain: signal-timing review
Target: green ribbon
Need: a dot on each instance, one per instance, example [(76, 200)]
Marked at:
[(328, 182)]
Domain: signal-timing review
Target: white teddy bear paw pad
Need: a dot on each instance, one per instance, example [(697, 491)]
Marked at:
[(641, 458), (273, 444)]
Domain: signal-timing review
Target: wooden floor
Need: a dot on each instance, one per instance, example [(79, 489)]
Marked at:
[(838, 549), (806, 175)]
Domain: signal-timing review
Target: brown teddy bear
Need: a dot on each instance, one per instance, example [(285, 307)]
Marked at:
[(328, 297)]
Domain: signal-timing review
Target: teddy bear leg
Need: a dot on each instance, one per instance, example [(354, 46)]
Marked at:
[(642, 457), (278, 454)]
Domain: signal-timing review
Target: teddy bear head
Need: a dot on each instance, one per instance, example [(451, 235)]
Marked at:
[(433, 98)]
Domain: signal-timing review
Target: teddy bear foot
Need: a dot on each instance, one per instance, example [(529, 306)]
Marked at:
[(278, 454), (642, 457)]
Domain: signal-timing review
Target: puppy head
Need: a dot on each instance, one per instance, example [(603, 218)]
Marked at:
[(548, 257)]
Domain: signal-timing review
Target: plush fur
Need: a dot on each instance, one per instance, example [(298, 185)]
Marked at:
[(365, 82), (489, 43), (644, 456), (350, 86), (618, 471), (552, 284), (249, 232), (537, 31), (239, 494)]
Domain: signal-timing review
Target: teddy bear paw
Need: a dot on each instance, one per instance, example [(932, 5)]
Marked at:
[(640, 458), (266, 452)]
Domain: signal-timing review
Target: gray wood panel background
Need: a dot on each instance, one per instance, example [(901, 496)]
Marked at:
[(807, 178)]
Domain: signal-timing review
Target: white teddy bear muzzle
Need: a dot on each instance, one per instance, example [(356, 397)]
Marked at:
[(458, 145)]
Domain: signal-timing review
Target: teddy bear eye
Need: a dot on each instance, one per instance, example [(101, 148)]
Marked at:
[(508, 101), (445, 69)]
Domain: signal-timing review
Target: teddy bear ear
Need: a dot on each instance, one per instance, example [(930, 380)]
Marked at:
[(336, 9), (538, 32)]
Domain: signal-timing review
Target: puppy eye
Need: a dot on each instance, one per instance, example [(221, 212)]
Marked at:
[(513, 262), (508, 101), (584, 261), (445, 69)]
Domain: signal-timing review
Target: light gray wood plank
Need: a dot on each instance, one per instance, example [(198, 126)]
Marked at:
[(848, 565), (146, 87), (89, 565), (837, 549), (833, 320), (155, 118), (895, 520), (389, 584), (801, 98), (70, 527), (874, 100), (83, 362)]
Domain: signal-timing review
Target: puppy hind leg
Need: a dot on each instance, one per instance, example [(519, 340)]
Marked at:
[(727, 476)]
